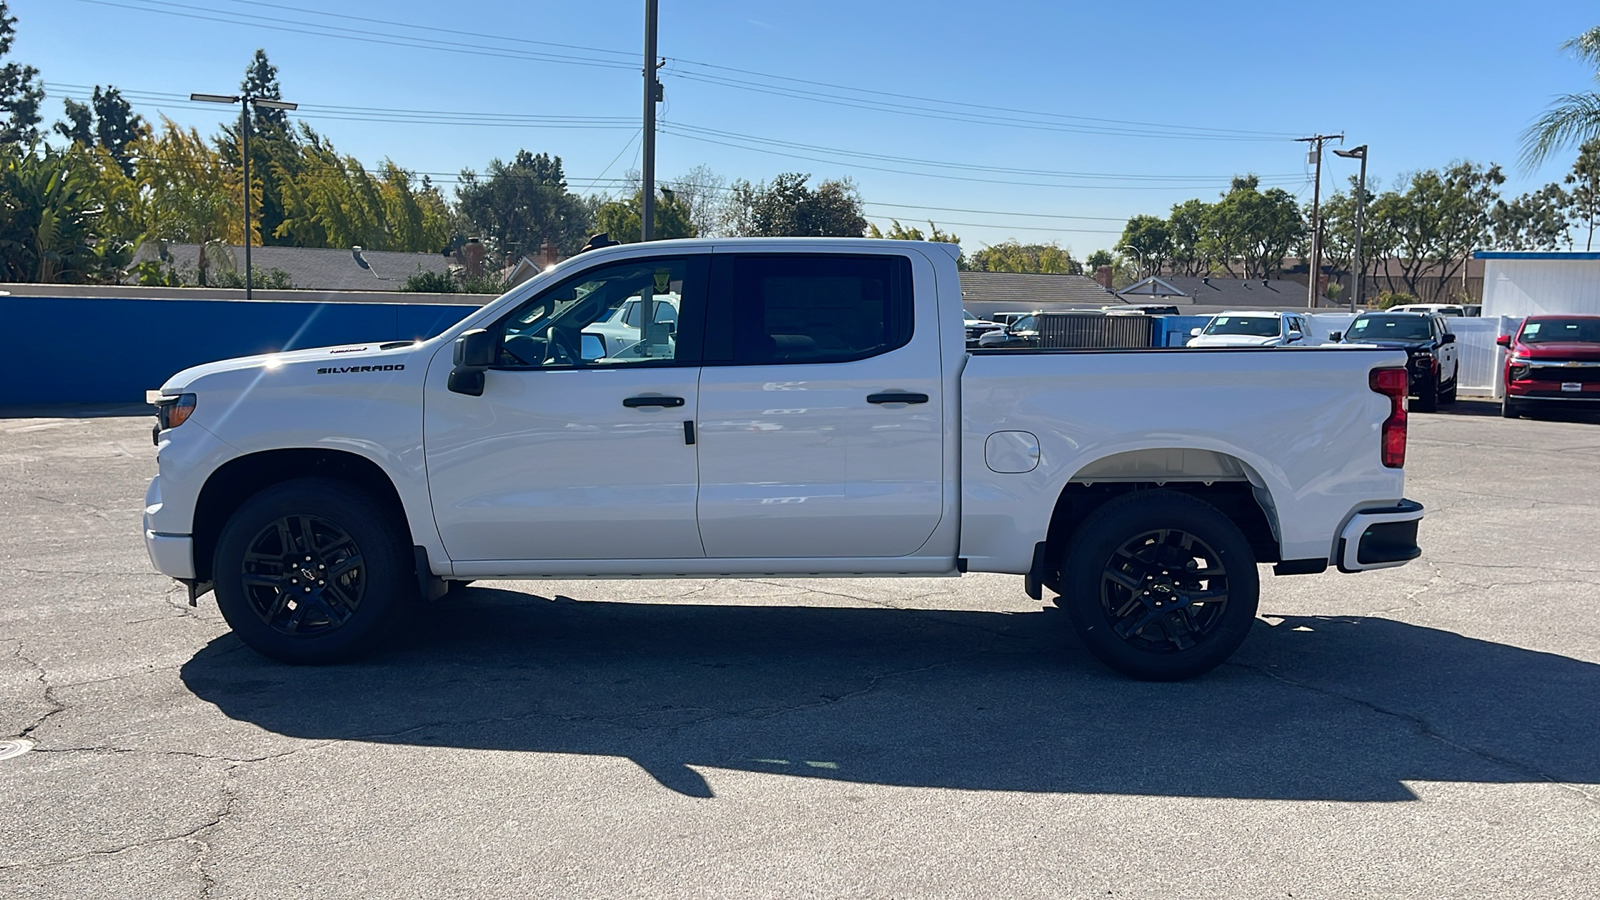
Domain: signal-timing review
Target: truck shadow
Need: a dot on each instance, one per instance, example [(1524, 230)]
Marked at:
[(1345, 709)]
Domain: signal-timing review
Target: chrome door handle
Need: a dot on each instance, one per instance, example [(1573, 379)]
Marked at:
[(668, 402), (897, 397)]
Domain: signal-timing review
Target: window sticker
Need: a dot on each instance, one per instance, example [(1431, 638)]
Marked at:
[(663, 280), (1531, 328)]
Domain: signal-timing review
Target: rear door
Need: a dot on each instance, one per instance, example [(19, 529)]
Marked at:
[(821, 422)]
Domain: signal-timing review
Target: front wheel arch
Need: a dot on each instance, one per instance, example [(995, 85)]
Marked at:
[(239, 479)]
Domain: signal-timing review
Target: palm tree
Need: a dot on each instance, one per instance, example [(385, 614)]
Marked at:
[(1573, 118)]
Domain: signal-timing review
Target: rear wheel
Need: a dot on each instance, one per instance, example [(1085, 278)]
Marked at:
[(312, 571), (1449, 396), (1160, 586)]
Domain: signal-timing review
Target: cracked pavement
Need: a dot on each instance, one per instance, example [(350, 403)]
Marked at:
[(1420, 732)]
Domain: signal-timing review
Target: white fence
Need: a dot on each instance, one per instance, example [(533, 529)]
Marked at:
[(1482, 361)]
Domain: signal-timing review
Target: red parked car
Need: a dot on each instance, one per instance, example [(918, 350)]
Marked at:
[(1554, 359)]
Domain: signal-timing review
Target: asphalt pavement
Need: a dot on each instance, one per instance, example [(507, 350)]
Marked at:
[(1429, 731)]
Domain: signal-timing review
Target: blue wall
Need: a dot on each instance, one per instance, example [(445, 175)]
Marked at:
[(111, 350)]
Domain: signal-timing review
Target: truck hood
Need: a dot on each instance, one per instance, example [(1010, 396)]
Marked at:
[(1231, 340), (1563, 351), (346, 359)]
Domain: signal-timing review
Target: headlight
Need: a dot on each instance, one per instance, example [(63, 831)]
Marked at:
[(171, 412)]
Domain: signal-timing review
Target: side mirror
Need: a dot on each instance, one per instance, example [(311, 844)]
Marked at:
[(1194, 332), (1448, 337), (1503, 340), (473, 355), (1295, 335), (1335, 337)]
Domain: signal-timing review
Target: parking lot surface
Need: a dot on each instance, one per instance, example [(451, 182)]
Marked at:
[(1430, 731)]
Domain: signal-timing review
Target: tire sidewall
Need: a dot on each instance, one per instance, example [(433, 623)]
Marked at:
[(1116, 522), (384, 565)]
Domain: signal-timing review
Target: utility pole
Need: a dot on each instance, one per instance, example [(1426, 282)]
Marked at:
[(1316, 141), (1361, 215), (652, 96)]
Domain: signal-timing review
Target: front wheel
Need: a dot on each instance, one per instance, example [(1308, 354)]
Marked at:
[(1427, 396), (312, 571), (1160, 586), (1510, 409)]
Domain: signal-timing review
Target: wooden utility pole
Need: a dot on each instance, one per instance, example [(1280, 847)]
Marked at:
[(1316, 141), (652, 96)]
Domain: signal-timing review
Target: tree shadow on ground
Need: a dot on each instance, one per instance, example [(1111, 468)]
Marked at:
[(1312, 708)]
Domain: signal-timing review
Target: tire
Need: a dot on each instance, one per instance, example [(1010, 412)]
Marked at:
[(1510, 409), (1139, 540), (1455, 385), (272, 565), (1427, 396)]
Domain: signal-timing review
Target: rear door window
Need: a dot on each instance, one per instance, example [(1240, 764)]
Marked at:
[(807, 308)]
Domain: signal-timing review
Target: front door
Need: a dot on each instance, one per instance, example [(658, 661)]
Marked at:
[(577, 448), (820, 417)]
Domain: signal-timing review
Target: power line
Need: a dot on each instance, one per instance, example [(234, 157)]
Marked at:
[(951, 110)]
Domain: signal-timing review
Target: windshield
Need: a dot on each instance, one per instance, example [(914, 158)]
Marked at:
[(1549, 331), (964, 313), (1254, 326), (1389, 328)]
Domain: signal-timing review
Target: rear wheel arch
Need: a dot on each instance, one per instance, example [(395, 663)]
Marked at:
[(1224, 481), (239, 479)]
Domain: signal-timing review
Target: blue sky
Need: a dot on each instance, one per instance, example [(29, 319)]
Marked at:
[(1212, 89)]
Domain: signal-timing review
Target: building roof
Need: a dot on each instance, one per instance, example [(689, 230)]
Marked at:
[(1218, 293), (1026, 292), (318, 268)]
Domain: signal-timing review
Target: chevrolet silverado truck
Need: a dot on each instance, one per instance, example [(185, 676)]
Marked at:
[(1554, 362), (813, 411)]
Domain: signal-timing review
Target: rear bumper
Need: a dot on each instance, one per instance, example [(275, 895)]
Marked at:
[(1380, 538)]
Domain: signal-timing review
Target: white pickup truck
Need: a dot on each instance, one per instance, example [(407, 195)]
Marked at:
[(812, 411)]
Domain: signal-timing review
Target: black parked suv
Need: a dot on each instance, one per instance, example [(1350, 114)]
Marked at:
[(1434, 367)]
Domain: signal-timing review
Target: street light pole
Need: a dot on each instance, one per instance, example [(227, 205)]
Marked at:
[(246, 103), (1361, 210)]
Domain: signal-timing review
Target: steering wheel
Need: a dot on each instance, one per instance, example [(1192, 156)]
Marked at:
[(562, 350)]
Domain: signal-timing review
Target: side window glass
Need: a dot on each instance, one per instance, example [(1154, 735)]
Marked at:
[(597, 318), (814, 308)]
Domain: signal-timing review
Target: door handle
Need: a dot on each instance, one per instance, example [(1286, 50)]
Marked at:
[(668, 402), (897, 397)]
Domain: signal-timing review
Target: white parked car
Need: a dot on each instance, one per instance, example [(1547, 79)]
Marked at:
[(1250, 329), (1438, 309), (817, 414), (618, 332)]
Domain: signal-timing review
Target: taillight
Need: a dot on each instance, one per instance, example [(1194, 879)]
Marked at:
[(1392, 384)]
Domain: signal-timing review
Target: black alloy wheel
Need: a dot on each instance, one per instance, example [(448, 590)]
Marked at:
[(303, 575), (1164, 591), (1160, 585), (313, 571)]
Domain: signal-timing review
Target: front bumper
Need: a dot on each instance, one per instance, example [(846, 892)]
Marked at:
[(1380, 538), (171, 554)]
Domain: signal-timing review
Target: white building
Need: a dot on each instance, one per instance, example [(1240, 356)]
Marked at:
[(1518, 284)]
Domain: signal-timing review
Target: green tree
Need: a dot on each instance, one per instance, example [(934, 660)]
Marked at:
[(1149, 240), (1253, 227), (20, 92), (261, 80), (1187, 228), (1572, 118), (789, 208), (192, 194), (1584, 199), (1099, 258), (623, 220), (518, 207), (1026, 259), (107, 121), (898, 232), (1437, 221), (1536, 220), (49, 223)]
